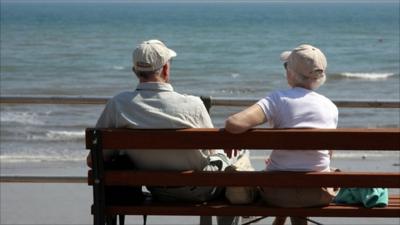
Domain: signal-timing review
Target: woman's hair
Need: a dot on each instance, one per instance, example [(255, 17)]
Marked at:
[(310, 82)]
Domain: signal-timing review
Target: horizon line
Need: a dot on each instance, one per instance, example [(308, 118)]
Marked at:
[(199, 1)]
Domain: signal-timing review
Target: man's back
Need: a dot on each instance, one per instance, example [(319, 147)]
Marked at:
[(155, 105)]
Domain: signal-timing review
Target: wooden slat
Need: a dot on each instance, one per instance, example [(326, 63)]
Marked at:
[(267, 179), (340, 139), (257, 209)]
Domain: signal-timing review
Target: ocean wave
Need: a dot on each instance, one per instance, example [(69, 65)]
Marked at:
[(54, 135), (65, 135), (233, 90), (235, 75), (27, 118), (367, 76), (364, 154), (40, 158), (340, 154), (118, 67)]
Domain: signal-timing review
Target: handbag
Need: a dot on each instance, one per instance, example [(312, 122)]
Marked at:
[(241, 195)]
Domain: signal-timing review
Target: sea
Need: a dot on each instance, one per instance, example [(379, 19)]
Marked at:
[(225, 49)]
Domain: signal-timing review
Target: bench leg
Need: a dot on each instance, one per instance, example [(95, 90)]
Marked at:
[(121, 219), (111, 220), (229, 220), (279, 220), (98, 219), (298, 221), (205, 220)]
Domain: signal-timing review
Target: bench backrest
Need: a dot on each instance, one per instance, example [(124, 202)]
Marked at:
[(296, 139), (212, 138)]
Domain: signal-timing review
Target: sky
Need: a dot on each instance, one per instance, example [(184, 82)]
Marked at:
[(227, 1)]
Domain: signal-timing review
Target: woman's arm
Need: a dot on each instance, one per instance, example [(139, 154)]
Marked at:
[(246, 119)]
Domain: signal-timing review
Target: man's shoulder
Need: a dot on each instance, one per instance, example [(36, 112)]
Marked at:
[(192, 98), (186, 98), (122, 95)]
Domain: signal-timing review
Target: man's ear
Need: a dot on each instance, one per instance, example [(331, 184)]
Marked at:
[(165, 72), (166, 68), (134, 73)]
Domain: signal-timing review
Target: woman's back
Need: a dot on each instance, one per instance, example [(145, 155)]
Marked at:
[(299, 108)]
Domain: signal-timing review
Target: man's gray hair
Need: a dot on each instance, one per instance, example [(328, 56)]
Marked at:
[(148, 74)]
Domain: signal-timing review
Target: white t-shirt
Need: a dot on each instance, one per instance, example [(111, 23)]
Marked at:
[(299, 108), (152, 106)]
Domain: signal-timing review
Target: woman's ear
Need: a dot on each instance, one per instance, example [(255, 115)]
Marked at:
[(289, 78)]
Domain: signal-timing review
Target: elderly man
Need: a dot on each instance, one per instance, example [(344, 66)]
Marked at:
[(155, 104)]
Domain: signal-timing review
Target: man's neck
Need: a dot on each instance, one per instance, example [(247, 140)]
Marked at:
[(152, 80)]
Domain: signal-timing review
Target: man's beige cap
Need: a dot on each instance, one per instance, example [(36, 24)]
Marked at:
[(151, 55), (306, 60)]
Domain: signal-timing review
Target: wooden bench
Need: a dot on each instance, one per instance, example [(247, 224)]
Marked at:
[(384, 139)]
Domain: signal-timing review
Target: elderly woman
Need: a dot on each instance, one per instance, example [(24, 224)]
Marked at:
[(296, 107)]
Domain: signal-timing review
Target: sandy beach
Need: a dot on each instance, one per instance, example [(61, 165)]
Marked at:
[(24, 203)]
